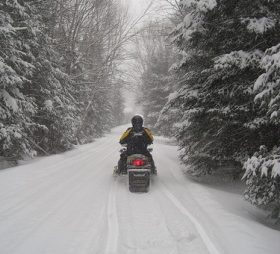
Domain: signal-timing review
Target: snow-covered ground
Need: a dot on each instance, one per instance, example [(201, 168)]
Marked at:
[(70, 203)]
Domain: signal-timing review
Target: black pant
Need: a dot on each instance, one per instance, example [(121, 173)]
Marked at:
[(122, 167)]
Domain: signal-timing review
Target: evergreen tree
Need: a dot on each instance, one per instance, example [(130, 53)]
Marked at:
[(156, 85), (266, 88), (221, 47), (18, 44), (37, 107), (57, 108), (58, 75), (263, 169), (263, 180)]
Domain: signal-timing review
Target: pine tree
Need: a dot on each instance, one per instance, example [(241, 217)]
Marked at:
[(263, 180), (263, 169), (156, 85), (58, 73), (57, 108), (38, 109), (221, 47), (17, 107), (267, 87)]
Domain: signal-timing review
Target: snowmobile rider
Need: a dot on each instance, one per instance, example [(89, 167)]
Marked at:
[(136, 138)]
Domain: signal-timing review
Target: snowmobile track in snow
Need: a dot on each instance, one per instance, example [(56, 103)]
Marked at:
[(71, 204), (113, 224), (204, 236)]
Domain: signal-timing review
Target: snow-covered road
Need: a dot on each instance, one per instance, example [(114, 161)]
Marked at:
[(71, 204)]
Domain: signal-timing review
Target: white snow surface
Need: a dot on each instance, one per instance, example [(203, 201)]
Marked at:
[(260, 25), (71, 204), (9, 100)]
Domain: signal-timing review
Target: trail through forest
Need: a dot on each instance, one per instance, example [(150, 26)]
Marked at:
[(71, 204)]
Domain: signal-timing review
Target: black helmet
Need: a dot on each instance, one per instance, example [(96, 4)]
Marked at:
[(137, 122)]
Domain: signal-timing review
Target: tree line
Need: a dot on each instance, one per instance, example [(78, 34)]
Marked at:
[(209, 76), (59, 75), (218, 92)]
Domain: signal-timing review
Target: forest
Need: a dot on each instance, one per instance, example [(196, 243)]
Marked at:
[(207, 74)]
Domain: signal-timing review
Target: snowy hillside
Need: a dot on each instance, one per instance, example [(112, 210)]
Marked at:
[(70, 203)]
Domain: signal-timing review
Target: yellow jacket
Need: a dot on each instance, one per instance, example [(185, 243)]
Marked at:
[(128, 133)]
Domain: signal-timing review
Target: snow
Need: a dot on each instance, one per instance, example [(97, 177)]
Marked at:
[(251, 165), (204, 236), (260, 82), (274, 115), (58, 100), (272, 58), (263, 164), (5, 68), (17, 135), (260, 25), (266, 86), (276, 169), (17, 93), (48, 105), (193, 21), (9, 100), (205, 5), (187, 20), (240, 58), (202, 5), (113, 224), (172, 96), (70, 203)]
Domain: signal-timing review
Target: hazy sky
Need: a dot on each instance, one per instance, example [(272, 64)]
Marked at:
[(137, 7)]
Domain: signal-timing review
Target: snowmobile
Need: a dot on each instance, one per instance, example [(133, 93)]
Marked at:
[(139, 171)]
